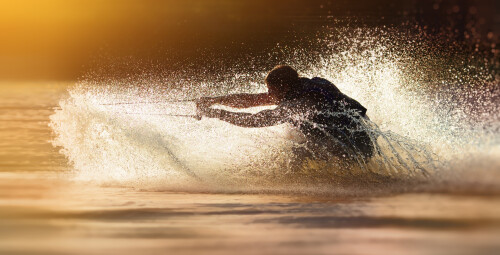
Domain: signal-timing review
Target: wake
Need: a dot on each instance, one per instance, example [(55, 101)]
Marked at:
[(107, 144), (139, 132)]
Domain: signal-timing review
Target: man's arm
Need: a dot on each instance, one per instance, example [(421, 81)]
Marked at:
[(263, 118), (238, 100)]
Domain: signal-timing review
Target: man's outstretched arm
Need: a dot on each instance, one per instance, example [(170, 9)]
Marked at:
[(263, 118), (238, 100)]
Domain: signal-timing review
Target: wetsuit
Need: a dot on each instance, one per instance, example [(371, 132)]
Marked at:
[(334, 120), (330, 120)]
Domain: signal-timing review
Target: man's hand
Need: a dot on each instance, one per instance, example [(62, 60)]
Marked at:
[(203, 105), (205, 102), (208, 112)]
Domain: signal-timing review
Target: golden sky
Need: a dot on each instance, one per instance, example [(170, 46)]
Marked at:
[(61, 39), (52, 37)]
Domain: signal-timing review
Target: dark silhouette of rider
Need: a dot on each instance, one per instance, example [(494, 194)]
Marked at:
[(331, 122)]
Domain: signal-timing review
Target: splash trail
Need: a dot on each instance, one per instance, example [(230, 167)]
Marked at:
[(433, 118)]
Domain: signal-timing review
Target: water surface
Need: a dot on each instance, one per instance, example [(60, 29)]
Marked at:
[(46, 209)]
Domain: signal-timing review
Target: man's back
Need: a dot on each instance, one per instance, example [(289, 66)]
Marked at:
[(327, 116)]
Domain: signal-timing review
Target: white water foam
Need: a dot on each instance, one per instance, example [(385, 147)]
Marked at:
[(119, 132)]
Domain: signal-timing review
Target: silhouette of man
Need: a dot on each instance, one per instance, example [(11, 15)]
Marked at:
[(331, 122)]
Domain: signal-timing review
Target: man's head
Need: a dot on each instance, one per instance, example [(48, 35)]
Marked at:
[(281, 80)]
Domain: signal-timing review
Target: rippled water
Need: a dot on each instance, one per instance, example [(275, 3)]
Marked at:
[(47, 214)]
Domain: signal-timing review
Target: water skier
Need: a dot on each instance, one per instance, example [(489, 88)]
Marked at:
[(331, 122)]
